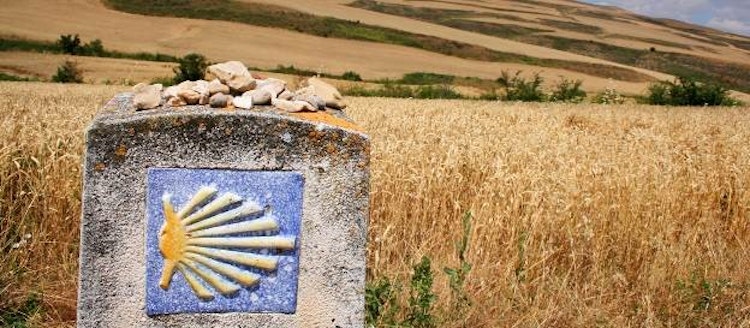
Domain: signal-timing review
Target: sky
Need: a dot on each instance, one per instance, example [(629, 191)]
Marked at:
[(728, 15)]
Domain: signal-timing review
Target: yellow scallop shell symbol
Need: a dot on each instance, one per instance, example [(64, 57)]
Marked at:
[(197, 241)]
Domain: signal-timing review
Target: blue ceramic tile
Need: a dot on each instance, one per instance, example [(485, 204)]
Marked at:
[(279, 192)]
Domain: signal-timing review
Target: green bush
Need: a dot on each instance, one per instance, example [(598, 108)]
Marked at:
[(70, 44), (94, 48), (491, 95), (157, 57), (658, 94), (68, 72), (356, 91), (351, 76), (685, 91), (568, 91), (436, 92), (421, 297), (610, 96), (426, 78), (11, 77), (16, 44), (392, 90), (395, 90), (192, 67), (518, 88), (457, 276), (163, 80), (381, 303), (291, 70), (700, 293), (20, 316)]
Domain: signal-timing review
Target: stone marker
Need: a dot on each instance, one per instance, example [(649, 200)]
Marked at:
[(202, 217)]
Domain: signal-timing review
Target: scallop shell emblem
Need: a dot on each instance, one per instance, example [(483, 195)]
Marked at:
[(207, 242)]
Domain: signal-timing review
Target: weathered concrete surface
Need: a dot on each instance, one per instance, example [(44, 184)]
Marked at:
[(330, 153)]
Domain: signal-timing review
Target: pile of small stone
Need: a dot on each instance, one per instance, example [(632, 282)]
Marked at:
[(232, 85)]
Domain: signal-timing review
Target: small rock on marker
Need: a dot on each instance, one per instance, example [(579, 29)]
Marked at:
[(220, 100), (243, 102)]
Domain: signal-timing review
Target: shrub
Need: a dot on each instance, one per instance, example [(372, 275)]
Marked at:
[(356, 91), (70, 44), (192, 67), (685, 91), (11, 77), (392, 90), (436, 92), (291, 70), (12, 43), (395, 90), (457, 276), (68, 72), (610, 96), (518, 88), (94, 48), (421, 297), (381, 303), (491, 95), (699, 293), (426, 78), (163, 80), (24, 315), (158, 57), (382, 295), (351, 76), (658, 94), (568, 91)]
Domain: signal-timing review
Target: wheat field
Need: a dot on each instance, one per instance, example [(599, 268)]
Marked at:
[(583, 215)]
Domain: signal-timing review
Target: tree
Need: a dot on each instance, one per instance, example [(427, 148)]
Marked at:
[(68, 72), (70, 44), (192, 67), (94, 48)]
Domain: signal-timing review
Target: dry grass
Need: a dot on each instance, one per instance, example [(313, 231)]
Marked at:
[(40, 188), (584, 215)]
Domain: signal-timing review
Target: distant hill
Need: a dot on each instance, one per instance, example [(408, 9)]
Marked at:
[(602, 45)]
